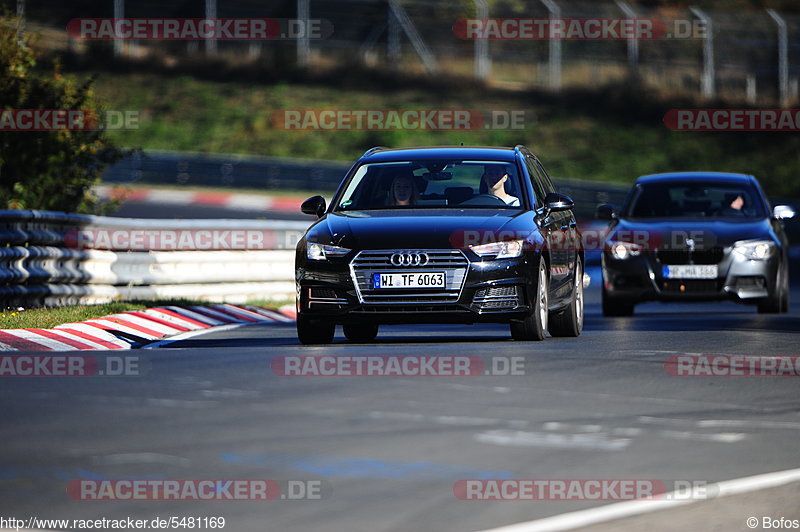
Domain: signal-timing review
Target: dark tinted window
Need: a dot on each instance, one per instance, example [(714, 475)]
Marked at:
[(692, 199), (433, 184)]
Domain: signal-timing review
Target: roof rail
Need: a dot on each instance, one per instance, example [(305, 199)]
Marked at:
[(374, 150)]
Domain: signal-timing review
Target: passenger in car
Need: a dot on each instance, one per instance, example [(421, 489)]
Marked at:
[(494, 181), (732, 205), (403, 191)]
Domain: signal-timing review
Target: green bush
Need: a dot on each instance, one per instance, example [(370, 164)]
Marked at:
[(49, 170)]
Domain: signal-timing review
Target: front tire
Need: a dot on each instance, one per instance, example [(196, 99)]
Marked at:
[(569, 322), (360, 333), (777, 301), (311, 332), (534, 326)]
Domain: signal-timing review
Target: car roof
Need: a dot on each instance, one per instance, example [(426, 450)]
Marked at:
[(440, 152), (722, 177)]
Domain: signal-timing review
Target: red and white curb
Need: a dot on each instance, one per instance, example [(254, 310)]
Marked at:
[(136, 328), (228, 200)]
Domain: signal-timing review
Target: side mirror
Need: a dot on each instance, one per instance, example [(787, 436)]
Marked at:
[(783, 212), (605, 212), (558, 202), (314, 205)]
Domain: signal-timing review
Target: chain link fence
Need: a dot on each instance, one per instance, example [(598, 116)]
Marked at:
[(748, 56)]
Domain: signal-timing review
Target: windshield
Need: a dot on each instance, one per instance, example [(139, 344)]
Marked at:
[(693, 199), (433, 184)]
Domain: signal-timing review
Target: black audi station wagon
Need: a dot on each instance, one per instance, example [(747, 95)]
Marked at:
[(441, 235)]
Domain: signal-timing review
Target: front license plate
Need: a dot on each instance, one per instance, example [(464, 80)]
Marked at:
[(409, 280), (691, 271)]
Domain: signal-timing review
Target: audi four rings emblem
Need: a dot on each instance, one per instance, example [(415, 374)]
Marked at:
[(409, 259)]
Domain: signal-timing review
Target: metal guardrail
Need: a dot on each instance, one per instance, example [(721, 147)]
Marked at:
[(166, 168), (54, 258), (179, 168)]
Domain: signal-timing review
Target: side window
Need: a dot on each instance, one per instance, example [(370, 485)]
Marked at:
[(548, 185), (536, 180)]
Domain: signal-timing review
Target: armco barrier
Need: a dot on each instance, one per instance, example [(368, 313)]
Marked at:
[(53, 258)]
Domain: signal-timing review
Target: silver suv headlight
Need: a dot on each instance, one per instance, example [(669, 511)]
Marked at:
[(623, 250), (755, 249)]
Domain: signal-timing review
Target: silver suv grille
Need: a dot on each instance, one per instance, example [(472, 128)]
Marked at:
[(452, 262)]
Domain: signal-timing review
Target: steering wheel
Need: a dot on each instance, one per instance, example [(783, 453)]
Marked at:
[(481, 199)]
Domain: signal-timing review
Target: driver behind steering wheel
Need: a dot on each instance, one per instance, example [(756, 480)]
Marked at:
[(494, 181)]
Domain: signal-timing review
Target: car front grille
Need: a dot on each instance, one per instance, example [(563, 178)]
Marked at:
[(452, 262), (409, 309), (683, 256), (496, 298), (327, 298)]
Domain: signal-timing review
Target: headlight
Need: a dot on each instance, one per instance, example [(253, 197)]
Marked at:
[(324, 251), (754, 249), (623, 250), (503, 250)]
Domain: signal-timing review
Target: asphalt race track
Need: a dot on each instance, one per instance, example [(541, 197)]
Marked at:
[(385, 452)]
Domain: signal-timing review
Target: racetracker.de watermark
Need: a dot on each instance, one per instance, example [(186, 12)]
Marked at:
[(71, 365), (732, 366), (224, 489), (588, 239), (732, 119), (395, 366), (584, 29), (182, 29), (67, 120), (397, 119), (181, 239), (581, 489)]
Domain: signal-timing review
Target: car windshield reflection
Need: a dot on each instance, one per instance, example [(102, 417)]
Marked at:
[(432, 184)]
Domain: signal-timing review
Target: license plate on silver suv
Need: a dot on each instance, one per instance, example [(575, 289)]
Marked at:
[(409, 280), (691, 271)]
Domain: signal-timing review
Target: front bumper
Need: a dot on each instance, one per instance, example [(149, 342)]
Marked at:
[(641, 278), (477, 290)]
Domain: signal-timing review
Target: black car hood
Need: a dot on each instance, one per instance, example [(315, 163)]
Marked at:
[(672, 232), (409, 229)]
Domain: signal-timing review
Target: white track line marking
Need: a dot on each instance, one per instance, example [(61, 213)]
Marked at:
[(610, 512), (192, 334), (518, 438)]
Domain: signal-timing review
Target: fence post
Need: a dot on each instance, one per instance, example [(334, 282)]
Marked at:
[(750, 89), (392, 38), (211, 13), (633, 41), (404, 21), (483, 62), (708, 54), (554, 47), (783, 57), (20, 20), (303, 45), (119, 12)]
